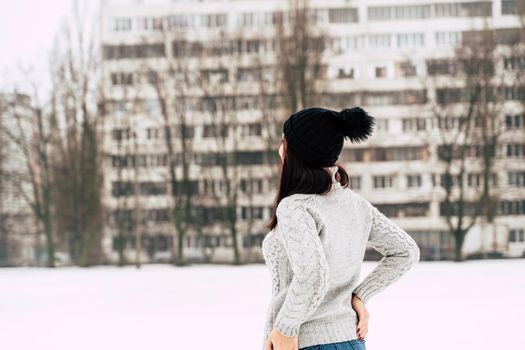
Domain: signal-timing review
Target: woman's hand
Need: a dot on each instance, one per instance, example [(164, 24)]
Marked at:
[(362, 314), (278, 341)]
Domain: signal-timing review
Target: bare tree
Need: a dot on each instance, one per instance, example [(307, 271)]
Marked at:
[(481, 61), (172, 91), (300, 45), (31, 135), (221, 95), (468, 141), (127, 215), (121, 190), (4, 250), (77, 116)]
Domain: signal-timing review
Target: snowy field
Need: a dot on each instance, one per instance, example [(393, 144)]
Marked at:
[(474, 305)]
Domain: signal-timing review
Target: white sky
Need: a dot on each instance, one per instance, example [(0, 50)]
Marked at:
[(27, 31)]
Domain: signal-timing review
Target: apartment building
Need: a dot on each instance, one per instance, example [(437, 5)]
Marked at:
[(19, 238), (382, 56)]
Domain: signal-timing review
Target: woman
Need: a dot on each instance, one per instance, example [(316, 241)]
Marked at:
[(319, 232)]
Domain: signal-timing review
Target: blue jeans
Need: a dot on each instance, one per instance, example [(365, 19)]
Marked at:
[(354, 344)]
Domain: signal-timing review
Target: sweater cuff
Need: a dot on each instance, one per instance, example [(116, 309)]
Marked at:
[(287, 330), (362, 293)]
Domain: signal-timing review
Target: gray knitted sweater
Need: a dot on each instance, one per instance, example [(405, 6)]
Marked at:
[(314, 255)]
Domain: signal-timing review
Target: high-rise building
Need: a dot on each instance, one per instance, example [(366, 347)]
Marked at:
[(395, 60), (19, 235)]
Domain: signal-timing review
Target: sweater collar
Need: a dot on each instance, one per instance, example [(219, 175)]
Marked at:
[(332, 170)]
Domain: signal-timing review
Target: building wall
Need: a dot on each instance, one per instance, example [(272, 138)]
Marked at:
[(377, 59), (18, 235)]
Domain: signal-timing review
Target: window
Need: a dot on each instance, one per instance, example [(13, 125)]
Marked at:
[(121, 189), (414, 124), (248, 74), (379, 41), (341, 72), (120, 106), (463, 9), (442, 67), (514, 92), (383, 181), (151, 106), (133, 51), (382, 124), (476, 180), (413, 180), (120, 134), (158, 23), (385, 13), (183, 131), (406, 69), (252, 129), (388, 154), (156, 215), (353, 154), (448, 95), (152, 77), (213, 186), (354, 182), (380, 72), (213, 130), (252, 213), (346, 43), (346, 72), (246, 19), (253, 240), (451, 180), (247, 102), (150, 23), (256, 19), (515, 150), (319, 15), (516, 121), (182, 21), (152, 133), (152, 188), (447, 39), (342, 15), (514, 62), (214, 20), (517, 235), (415, 209), (400, 97), (215, 76), (122, 78), (251, 185), (410, 40), (516, 178), (121, 24), (516, 207), (253, 46), (507, 7), (248, 157)]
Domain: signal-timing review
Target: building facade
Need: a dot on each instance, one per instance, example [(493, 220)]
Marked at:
[(390, 59), (19, 237)]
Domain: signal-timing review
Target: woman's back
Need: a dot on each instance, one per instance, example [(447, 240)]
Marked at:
[(315, 254)]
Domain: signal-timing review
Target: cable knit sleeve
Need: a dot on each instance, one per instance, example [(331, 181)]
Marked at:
[(310, 280), (400, 252)]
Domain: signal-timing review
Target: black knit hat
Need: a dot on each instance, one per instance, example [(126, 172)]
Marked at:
[(316, 135)]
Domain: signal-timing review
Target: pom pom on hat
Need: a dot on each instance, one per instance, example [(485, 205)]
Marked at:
[(355, 123)]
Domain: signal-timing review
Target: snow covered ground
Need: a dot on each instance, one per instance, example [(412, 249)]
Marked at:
[(437, 305)]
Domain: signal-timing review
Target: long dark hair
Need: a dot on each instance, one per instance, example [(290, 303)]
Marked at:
[(300, 177)]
